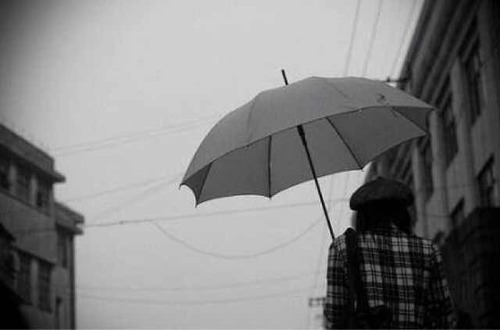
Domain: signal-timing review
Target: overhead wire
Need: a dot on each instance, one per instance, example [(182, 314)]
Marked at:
[(318, 264), (372, 38), (241, 284), (170, 180), (176, 217), (241, 256), (351, 40), (193, 302), (404, 36), (134, 200), (345, 72), (129, 138)]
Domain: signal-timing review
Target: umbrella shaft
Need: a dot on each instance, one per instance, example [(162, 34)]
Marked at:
[(302, 134)]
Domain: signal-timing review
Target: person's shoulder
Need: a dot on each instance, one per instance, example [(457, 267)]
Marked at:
[(339, 243), (428, 245)]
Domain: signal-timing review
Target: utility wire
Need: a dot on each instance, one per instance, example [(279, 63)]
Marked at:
[(170, 180), (241, 284), (211, 214), (404, 36), (242, 256), (318, 264), (128, 138), (134, 200), (177, 217), (372, 38), (193, 302), (351, 40), (122, 142)]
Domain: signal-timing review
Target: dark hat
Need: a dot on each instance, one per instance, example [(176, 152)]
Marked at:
[(381, 189)]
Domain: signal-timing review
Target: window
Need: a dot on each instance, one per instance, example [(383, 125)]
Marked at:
[(43, 195), (24, 277), (449, 125), (473, 69), (4, 173), (428, 182), (486, 184), (44, 279), (23, 183), (63, 247), (458, 215)]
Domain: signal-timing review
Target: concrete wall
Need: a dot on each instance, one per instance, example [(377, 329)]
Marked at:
[(34, 229)]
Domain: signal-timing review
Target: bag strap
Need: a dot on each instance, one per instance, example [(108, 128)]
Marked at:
[(352, 298), (354, 273)]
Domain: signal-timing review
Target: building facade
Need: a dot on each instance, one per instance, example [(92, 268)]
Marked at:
[(453, 63), (38, 234)]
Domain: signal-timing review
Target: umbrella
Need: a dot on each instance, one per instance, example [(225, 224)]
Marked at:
[(302, 131)]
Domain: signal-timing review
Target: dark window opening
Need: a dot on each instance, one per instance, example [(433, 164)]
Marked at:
[(486, 184)]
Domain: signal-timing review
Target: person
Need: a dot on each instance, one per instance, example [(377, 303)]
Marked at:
[(398, 269)]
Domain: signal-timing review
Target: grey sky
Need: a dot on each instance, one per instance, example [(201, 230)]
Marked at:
[(122, 93)]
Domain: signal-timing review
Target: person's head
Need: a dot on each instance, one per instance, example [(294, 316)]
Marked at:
[(380, 203)]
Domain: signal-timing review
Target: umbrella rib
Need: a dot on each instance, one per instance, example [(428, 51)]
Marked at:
[(345, 143), (269, 164), (205, 179)]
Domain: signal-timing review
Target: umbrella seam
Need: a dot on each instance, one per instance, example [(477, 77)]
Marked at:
[(250, 112), (345, 143), (340, 92)]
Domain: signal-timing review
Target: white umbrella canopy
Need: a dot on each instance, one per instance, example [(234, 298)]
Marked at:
[(346, 122)]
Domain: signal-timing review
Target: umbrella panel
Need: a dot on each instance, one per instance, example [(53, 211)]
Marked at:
[(337, 143), (242, 172), (370, 132)]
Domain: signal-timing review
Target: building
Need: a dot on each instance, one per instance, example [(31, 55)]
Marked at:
[(37, 236), (453, 63)]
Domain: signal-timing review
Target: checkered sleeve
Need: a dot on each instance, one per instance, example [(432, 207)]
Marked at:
[(337, 286), (440, 303)]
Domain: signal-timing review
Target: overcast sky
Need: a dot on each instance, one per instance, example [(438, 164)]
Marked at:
[(122, 92)]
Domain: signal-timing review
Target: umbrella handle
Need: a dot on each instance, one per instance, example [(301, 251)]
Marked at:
[(284, 76), (302, 134)]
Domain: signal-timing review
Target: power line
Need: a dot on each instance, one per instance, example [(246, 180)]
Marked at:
[(351, 40), (403, 38), (179, 217), (129, 138), (170, 180), (193, 302), (323, 239), (242, 256), (241, 284), (209, 214), (122, 141), (372, 38), (130, 201)]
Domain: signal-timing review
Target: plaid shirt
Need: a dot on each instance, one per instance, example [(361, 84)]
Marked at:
[(403, 272)]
